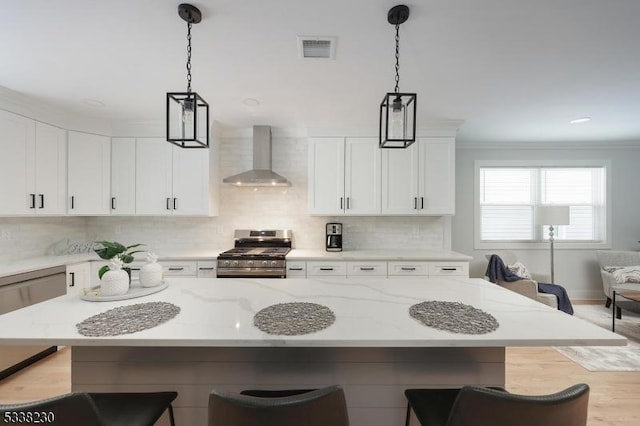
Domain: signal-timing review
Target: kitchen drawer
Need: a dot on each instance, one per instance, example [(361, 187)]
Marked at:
[(179, 268), (207, 268), (448, 268), (408, 269), (362, 269), (328, 269), (296, 269)]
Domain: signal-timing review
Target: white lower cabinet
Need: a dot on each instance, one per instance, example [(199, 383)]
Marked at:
[(449, 268), (317, 268), (408, 269), (367, 269), (78, 277), (206, 268), (377, 268), (179, 268), (296, 269)]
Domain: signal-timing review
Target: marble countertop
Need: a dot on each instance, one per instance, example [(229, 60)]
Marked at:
[(388, 255), (369, 313), (41, 262)]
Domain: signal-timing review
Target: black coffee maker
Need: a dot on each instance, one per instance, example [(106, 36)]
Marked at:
[(334, 237)]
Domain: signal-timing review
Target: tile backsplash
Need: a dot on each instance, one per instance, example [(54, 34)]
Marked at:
[(240, 207), (22, 238)]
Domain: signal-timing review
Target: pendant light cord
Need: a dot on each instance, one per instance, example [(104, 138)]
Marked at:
[(397, 89), (189, 57)]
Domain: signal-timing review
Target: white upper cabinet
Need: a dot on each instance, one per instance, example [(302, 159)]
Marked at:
[(436, 182), (123, 176), (88, 172), (172, 180), (33, 162), (50, 170), (362, 176), (326, 176), (191, 182), (344, 176), (419, 179)]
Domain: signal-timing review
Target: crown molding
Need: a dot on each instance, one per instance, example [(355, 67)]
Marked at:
[(547, 145)]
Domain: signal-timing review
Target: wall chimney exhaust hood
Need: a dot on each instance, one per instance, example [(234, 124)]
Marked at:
[(261, 174)]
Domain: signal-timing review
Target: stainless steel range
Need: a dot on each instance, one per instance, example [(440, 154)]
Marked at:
[(257, 254)]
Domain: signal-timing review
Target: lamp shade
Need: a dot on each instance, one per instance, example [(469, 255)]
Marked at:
[(552, 215)]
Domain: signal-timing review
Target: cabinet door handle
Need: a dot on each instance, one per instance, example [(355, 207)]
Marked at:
[(168, 203), (326, 269), (175, 204), (348, 202), (449, 269), (341, 203), (177, 269), (135, 269), (73, 202), (406, 268), (113, 203), (73, 279), (415, 203), (41, 201), (206, 269), (295, 269), (33, 201), (367, 268), (422, 203)]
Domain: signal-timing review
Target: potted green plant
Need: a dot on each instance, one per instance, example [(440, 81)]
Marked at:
[(114, 250)]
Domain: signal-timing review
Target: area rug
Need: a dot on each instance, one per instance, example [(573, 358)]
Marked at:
[(607, 358)]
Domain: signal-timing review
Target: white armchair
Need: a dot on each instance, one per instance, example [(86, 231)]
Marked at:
[(608, 258), (525, 287)]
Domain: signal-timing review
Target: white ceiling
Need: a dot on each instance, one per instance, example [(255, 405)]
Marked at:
[(513, 70)]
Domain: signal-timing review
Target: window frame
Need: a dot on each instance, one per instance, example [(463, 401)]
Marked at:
[(542, 244)]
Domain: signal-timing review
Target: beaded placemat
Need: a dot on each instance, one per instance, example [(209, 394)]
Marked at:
[(127, 319), (294, 318), (455, 317)]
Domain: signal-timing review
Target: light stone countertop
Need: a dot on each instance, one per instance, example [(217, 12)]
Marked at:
[(41, 262), (383, 255), (369, 313)]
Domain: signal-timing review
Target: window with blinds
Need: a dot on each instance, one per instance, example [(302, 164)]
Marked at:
[(507, 197)]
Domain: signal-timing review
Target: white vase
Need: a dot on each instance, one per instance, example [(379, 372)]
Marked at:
[(114, 283), (151, 274)]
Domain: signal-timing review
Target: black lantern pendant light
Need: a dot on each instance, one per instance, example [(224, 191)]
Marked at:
[(398, 110), (187, 112)]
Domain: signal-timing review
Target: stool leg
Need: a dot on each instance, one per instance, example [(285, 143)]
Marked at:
[(408, 418), (171, 415)]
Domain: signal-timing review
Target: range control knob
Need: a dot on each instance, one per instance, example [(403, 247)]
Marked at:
[(236, 263), (274, 263), (265, 263), (250, 262), (227, 263)]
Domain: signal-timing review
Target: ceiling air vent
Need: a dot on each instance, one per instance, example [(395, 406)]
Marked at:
[(310, 47)]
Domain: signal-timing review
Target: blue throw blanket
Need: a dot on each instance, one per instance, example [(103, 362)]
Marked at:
[(498, 271)]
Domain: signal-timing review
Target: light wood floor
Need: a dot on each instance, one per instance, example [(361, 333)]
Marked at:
[(614, 397)]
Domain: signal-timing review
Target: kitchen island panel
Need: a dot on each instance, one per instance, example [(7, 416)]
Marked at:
[(373, 378)]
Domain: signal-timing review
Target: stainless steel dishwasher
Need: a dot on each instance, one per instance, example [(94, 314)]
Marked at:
[(21, 290)]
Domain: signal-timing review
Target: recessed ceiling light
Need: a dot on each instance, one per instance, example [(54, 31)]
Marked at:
[(580, 120), (251, 102), (94, 103)]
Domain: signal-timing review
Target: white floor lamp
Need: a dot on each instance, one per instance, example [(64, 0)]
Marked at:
[(552, 216)]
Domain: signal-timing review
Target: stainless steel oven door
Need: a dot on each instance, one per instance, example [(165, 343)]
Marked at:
[(251, 273)]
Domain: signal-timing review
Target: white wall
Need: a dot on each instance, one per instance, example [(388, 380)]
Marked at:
[(577, 270), (242, 207)]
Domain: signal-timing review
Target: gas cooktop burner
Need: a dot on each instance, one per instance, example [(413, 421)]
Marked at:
[(256, 252)]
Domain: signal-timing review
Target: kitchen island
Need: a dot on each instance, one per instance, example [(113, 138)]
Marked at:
[(374, 349)]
